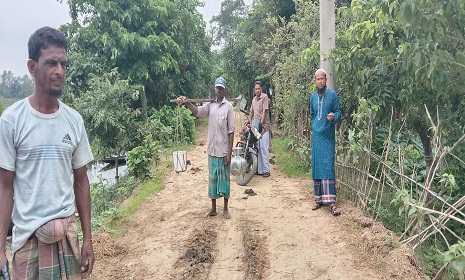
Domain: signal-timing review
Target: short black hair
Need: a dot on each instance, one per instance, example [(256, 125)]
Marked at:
[(43, 38), (257, 83)]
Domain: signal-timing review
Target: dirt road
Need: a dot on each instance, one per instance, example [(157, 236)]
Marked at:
[(271, 235)]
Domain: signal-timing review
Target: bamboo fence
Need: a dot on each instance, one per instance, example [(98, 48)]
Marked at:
[(373, 181)]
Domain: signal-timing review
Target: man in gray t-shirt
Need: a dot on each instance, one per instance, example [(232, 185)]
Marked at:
[(44, 151)]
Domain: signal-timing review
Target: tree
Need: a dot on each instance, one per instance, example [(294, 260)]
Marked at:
[(15, 87), (106, 109), (27, 86), (5, 83), (232, 13), (406, 59), (157, 44), (280, 8)]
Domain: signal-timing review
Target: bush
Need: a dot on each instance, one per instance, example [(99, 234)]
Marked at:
[(140, 158), (164, 123)]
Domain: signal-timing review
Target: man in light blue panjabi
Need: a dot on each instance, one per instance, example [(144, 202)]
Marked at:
[(325, 112)]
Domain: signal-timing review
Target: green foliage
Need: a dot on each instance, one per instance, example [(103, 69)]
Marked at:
[(159, 44), (112, 126), (1, 107), (164, 122), (403, 57), (403, 61), (250, 52), (106, 198), (15, 87), (448, 180), (140, 158), (403, 196), (456, 257), (101, 200), (359, 135), (293, 82), (431, 259), (285, 152), (279, 8), (231, 15)]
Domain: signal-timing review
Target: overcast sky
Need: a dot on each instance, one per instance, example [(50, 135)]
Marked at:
[(20, 18)]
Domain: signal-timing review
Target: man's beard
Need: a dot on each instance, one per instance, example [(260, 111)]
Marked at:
[(321, 90), (55, 93)]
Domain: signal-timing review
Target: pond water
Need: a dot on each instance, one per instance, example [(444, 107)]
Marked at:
[(107, 171)]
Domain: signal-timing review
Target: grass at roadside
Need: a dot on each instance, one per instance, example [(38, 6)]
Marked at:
[(287, 161), (118, 223)]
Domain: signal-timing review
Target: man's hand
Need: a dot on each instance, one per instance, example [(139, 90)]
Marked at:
[(5, 271), (330, 117), (3, 260), (228, 160), (181, 100), (260, 127), (87, 258)]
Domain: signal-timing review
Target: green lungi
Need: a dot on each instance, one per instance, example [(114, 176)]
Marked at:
[(218, 177)]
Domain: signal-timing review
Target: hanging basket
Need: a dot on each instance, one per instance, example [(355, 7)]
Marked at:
[(180, 161)]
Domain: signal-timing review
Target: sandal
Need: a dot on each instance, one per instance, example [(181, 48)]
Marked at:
[(316, 206), (335, 210)]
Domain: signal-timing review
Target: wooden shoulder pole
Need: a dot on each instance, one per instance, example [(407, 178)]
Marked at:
[(203, 100)]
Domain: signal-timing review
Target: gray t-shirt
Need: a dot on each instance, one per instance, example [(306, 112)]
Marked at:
[(42, 150)]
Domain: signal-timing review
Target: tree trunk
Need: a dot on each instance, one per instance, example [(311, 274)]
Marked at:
[(425, 137), (116, 166), (143, 99)]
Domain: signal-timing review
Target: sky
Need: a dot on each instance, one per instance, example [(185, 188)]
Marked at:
[(20, 18)]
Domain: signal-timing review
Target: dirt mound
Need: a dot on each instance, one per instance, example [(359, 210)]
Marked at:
[(199, 255), (105, 246), (256, 255), (379, 246)]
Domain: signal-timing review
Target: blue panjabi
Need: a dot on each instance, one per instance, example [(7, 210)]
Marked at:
[(323, 133)]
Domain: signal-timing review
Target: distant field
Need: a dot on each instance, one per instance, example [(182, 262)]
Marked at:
[(7, 101)]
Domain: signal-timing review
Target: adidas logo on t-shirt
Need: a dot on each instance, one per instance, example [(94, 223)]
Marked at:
[(66, 139)]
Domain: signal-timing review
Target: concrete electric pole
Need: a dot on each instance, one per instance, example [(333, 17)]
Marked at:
[(327, 39)]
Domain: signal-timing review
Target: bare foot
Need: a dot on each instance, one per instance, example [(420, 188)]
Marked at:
[(226, 215), (211, 213)]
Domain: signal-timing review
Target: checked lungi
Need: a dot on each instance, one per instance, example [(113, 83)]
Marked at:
[(52, 254), (325, 191), (218, 177)]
